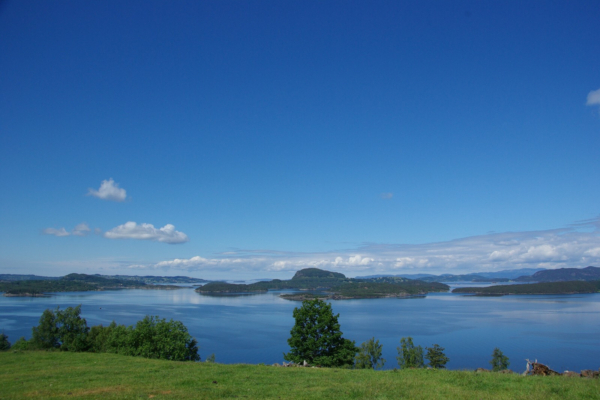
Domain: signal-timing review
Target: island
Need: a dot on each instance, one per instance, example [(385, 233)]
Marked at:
[(568, 287), (73, 283), (318, 283)]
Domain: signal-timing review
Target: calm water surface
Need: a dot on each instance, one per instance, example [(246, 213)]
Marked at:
[(562, 331)]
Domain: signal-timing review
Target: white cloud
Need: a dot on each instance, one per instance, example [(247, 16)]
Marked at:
[(131, 230), (593, 98), (81, 230), (109, 190), (56, 232), (197, 263), (386, 196), (575, 246)]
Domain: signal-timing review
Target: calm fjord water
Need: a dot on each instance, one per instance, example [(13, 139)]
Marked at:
[(562, 331)]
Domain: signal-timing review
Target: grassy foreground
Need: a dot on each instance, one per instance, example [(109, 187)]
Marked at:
[(89, 375)]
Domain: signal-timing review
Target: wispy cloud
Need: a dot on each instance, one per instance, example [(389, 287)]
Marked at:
[(593, 98), (386, 195), (56, 232), (131, 230), (81, 230), (575, 246), (109, 190)]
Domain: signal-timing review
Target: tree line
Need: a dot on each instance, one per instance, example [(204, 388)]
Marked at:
[(152, 337)]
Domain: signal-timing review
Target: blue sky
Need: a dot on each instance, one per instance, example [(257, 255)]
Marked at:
[(238, 139)]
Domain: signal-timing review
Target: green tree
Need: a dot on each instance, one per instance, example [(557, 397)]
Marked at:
[(4, 343), (369, 355), (436, 357), (211, 358), (72, 329), (316, 337), (45, 335), (153, 337), (99, 337), (499, 360), (61, 329), (409, 355)]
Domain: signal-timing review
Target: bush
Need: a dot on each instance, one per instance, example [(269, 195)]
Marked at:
[(22, 344), (4, 343)]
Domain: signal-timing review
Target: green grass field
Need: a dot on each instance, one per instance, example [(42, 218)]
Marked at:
[(88, 375)]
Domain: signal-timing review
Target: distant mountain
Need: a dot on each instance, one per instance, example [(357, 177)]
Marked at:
[(499, 276), (510, 273), (409, 276), (17, 277), (563, 274), (149, 279), (72, 283)]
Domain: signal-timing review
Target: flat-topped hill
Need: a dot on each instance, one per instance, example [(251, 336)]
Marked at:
[(317, 273)]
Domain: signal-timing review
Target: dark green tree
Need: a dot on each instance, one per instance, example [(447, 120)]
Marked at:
[(316, 337), (436, 357), (99, 337), (72, 329), (499, 360), (4, 343), (369, 355), (409, 355), (45, 335), (153, 337), (61, 329)]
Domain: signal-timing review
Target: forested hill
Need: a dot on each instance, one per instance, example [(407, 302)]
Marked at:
[(563, 274), (337, 285)]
